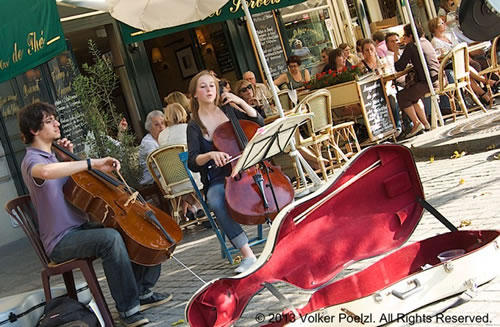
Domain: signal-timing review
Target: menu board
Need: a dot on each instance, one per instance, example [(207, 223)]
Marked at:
[(267, 31), (222, 53), (375, 105), (69, 110)]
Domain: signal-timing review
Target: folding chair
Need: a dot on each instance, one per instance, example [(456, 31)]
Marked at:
[(21, 210), (225, 251)]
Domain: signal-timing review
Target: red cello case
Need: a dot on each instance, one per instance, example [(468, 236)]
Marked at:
[(370, 208)]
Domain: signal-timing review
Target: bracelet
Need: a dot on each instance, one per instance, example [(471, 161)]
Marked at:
[(89, 166)]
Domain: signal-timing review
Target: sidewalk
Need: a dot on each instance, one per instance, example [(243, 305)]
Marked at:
[(476, 199)]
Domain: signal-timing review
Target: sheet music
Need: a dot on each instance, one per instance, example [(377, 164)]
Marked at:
[(273, 138)]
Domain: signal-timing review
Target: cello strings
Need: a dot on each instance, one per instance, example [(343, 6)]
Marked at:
[(187, 268)]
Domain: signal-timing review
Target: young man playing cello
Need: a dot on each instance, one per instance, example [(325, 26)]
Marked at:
[(65, 231)]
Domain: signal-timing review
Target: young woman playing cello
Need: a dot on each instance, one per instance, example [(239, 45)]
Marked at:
[(206, 117)]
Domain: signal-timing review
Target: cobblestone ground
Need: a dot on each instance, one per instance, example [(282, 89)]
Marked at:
[(467, 188)]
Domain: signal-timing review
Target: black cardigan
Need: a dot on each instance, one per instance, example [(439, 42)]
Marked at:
[(194, 139)]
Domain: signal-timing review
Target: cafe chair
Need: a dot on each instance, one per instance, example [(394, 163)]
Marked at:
[(226, 251), (285, 101), (168, 172), (320, 136), (494, 68), (459, 57), (22, 211)]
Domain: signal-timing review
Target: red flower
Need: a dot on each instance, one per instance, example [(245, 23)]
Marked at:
[(323, 74), (318, 75), (334, 74), (330, 71), (345, 68)]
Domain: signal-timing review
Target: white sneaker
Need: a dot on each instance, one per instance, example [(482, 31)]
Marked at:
[(245, 264)]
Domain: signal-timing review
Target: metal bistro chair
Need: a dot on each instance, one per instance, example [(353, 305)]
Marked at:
[(22, 211), (225, 251)]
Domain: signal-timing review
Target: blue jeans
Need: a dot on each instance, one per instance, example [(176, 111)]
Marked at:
[(107, 244), (216, 199), (395, 111)]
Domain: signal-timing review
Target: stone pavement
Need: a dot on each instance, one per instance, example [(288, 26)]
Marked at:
[(464, 188)]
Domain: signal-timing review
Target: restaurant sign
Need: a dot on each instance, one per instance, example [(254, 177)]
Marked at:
[(31, 35), (233, 9)]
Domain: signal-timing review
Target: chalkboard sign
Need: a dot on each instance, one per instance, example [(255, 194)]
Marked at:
[(267, 31), (69, 110), (221, 49), (378, 119)]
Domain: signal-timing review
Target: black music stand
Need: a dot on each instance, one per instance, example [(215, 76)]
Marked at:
[(267, 142)]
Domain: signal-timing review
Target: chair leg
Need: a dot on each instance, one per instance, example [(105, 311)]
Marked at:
[(91, 278), (69, 281), (475, 98), (46, 285), (462, 103)]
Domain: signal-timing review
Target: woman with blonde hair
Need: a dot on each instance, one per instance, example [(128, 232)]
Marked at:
[(180, 98), (174, 134), (203, 157)]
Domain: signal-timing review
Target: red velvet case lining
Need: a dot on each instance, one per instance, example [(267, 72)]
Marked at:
[(375, 214)]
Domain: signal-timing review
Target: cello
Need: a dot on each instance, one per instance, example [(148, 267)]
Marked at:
[(150, 235), (251, 197)]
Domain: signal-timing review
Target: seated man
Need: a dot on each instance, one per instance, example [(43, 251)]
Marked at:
[(65, 231)]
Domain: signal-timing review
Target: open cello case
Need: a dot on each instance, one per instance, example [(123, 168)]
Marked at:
[(372, 207)]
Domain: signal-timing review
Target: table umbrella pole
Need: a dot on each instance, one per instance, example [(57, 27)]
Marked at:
[(435, 111), (299, 161)]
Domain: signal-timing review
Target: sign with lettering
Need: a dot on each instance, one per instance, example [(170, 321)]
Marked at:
[(231, 10), (378, 120), (267, 31), (31, 34)]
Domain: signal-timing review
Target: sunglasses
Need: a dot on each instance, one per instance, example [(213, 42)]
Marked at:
[(246, 88)]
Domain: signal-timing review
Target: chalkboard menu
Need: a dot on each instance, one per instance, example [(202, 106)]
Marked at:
[(222, 53), (377, 112), (267, 31), (70, 113)]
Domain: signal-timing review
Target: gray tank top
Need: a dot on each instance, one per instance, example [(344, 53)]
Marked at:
[(293, 83)]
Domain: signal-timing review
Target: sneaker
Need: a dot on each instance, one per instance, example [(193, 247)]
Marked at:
[(154, 300), (398, 132), (134, 320), (189, 215), (245, 264)]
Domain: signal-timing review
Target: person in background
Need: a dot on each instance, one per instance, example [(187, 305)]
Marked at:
[(336, 61), (302, 52), (392, 42), (444, 42), (175, 134), (370, 62), (205, 159), (416, 88), (245, 90), (65, 231), (324, 61), (448, 12), (226, 85), (350, 59), (155, 123), (180, 98), (261, 90), (359, 53), (295, 77), (379, 38)]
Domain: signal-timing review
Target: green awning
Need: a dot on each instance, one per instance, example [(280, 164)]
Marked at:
[(231, 10), (31, 34)]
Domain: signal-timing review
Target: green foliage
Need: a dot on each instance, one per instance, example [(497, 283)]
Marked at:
[(322, 80), (94, 88)]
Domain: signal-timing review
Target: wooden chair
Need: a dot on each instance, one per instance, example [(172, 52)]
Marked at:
[(322, 136), (494, 68), (221, 237), (22, 211), (172, 174), (459, 57)]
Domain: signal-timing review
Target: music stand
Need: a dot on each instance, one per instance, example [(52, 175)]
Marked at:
[(268, 141)]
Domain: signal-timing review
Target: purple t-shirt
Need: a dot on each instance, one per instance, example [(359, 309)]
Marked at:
[(55, 215)]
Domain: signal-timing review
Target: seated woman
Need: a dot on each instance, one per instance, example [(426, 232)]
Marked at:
[(180, 98), (443, 42), (174, 134), (416, 88), (246, 91), (336, 61), (295, 77), (207, 116), (350, 59), (155, 123)]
